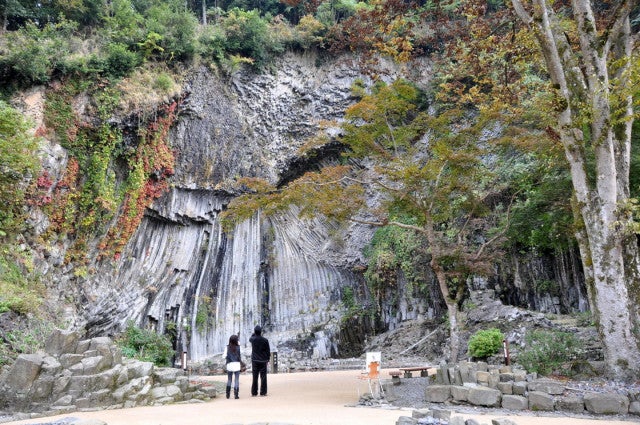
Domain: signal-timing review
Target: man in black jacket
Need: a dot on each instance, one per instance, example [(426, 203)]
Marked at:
[(260, 354)]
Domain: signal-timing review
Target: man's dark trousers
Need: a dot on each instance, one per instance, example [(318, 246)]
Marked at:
[(259, 369)]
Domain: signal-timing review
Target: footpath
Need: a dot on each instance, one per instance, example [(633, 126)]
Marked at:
[(306, 398)]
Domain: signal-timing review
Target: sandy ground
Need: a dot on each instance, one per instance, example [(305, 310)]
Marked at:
[(313, 398)]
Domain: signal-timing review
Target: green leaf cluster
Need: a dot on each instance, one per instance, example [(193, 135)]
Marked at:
[(20, 290), (146, 345), (393, 250), (549, 351), (18, 163), (485, 343)]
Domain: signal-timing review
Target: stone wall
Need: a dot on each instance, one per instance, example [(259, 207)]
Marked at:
[(75, 374), (479, 384)]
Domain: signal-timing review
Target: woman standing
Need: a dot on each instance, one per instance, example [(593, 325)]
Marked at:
[(232, 356)]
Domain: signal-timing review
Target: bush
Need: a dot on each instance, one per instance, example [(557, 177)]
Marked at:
[(120, 61), (176, 29), (548, 351), (247, 35), (212, 42), (485, 343), (309, 32), (18, 160), (20, 291), (32, 54), (146, 345)]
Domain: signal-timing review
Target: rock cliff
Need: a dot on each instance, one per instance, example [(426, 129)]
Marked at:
[(180, 273)]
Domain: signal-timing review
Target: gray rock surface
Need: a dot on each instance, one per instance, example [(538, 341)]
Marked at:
[(606, 403), (94, 382)]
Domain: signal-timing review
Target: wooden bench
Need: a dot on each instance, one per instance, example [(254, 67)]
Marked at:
[(424, 371), (395, 377)]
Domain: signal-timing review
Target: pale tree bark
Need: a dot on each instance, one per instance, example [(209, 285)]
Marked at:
[(591, 77), (452, 303)]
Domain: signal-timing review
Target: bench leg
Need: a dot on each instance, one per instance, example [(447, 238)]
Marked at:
[(395, 380), (407, 374), (424, 373)]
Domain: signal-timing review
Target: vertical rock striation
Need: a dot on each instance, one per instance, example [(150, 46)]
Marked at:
[(181, 273)]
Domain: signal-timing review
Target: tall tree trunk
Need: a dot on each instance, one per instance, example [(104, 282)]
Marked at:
[(204, 12), (584, 75), (441, 277)]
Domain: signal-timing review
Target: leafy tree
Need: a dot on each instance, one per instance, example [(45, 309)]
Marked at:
[(591, 57), (123, 23), (423, 169), (34, 54), (384, 27), (247, 35), (333, 11), (309, 32), (176, 28)]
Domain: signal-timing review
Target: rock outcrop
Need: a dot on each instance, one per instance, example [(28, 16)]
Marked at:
[(75, 374), (180, 273)]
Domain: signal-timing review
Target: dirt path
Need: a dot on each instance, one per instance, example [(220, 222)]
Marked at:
[(318, 398)]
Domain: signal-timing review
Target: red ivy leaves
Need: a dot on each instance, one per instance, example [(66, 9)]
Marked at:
[(158, 161)]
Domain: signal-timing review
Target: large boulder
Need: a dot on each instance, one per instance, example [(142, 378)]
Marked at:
[(24, 372), (482, 396), (61, 341), (548, 386), (539, 400), (437, 393), (606, 403)]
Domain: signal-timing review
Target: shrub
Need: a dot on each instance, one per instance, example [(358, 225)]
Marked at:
[(120, 61), (32, 54), (310, 32), (546, 351), (18, 160), (146, 345), (164, 82), (32, 338), (176, 29), (20, 291), (212, 42), (247, 35), (485, 343), (584, 319)]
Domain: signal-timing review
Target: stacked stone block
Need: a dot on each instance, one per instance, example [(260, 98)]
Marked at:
[(75, 374), (479, 384)]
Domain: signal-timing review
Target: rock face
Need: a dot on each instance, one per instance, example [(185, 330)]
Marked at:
[(80, 374), (181, 274)]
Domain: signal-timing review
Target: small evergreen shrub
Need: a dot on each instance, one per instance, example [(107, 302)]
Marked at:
[(584, 319), (548, 351), (485, 343), (146, 345), (120, 61)]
